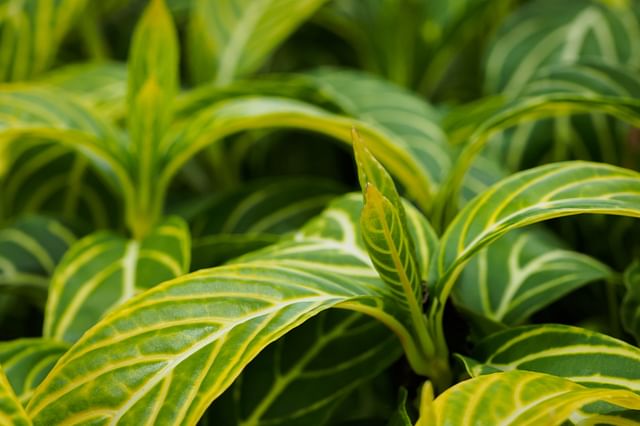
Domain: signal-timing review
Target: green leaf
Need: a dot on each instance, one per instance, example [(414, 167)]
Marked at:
[(32, 31), (304, 375), (583, 356), (400, 416), (46, 177), (252, 216), (223, 118), (630, 308), (28, 361), (30, 249), (11, 411), (104, 270), (153, 84), (195, 334), (102, 86), (549, 32), (522, 272), (230, 38), (546, 192), (521, 398)]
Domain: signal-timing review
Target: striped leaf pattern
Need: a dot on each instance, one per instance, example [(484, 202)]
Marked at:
[(46, 177), (548, 32), (231, 38), (11, 411), (104, 270), (522, 272), (221, 119), (152, 86), (306, 374), (630, 308), (26, 363), (102, 86), (30, 249), (31, 32), (526, 399), (230, 314), (546, 192), (577, 354), (252, 216)]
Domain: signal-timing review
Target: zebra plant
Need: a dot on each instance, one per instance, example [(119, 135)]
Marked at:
[(432, 296)]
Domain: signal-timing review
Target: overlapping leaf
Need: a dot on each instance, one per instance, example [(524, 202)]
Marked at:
[(195, 334), (522, 272), (577, 354), (548, 32), (26, 363), (11, 411), (546, 192), (104, 270), (630, 308), (230, 38), (526, 398), (32, 31)]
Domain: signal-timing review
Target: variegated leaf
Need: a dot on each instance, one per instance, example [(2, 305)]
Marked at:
[(230, 38), (227, 316), (104, 270), (27, 362), (526, 399), (11, 411)]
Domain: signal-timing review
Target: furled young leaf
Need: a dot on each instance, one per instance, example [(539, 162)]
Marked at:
[(195, 334), (548, 32), (546, 192), (104, 270), (230, 38), (307, 373), (577, 354), (11, 411), (521, 398), (30, 249), (32, 31), (630, 308), (522, 272), (26, 363), (152, 85)]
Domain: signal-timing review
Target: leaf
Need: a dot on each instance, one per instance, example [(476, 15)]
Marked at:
[(252, 216), (212, 124), (400, 417), (31, 35), (427, 410), (30, 249), (196, 333), (521, 398), (152, 85), (102, 86), (27, 362), (230, 38), (304, 375), (522, 272), (46, 177), (11, 411), (104, 270), (630, 308), (548, 32), (583, 356), (546, 192)]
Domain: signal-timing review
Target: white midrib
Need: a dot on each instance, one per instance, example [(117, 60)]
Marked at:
[(240, 35), (129, 264)]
